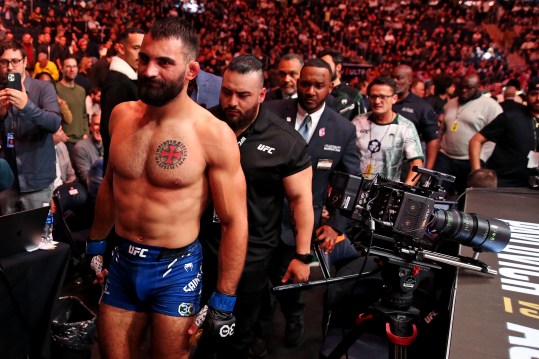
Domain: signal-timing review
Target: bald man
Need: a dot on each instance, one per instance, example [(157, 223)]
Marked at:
[(464, 116), (510, 94), (417, 110)]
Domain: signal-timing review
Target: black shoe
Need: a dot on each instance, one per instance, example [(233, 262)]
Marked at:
[(258, 348), (293, 331)]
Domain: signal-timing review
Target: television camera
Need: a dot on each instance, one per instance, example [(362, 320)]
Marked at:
[(403, 223), (411, 216)]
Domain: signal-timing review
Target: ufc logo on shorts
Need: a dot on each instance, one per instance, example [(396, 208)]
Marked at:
[(265, 148), (227, 330), (136, 251)]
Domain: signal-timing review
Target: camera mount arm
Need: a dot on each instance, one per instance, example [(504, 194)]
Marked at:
[(460, 262)]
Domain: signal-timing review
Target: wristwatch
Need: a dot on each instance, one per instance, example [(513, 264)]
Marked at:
[(305, 258)]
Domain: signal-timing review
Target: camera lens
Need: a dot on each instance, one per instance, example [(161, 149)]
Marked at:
[(483, 234)]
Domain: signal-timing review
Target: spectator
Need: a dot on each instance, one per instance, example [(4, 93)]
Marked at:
[(59, 51), (120, 84), (444, 89), (482, 178), (36, 17), (464, 116), (82, 51), (44, 45), (75, 98), (82, 79), (87, 151), (93, 101), (44, 65), (29, 148), (418, 87), (100, 69), (510, 92), (515, 134), (27, 42), (64, 170)]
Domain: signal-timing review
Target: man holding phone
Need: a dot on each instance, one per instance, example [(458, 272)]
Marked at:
[(29, 116)]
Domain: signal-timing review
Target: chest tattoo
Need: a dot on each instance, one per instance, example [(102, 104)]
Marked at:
[(170, 154)]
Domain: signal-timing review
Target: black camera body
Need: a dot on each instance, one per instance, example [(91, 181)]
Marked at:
[(405, 213), (404, 209)]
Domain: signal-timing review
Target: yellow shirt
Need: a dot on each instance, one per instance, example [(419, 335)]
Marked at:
[(50, 69)]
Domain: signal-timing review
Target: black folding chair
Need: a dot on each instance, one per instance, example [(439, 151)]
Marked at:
[(73, 217)]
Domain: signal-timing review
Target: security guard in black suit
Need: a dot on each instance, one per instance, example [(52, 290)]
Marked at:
[(332, 146)]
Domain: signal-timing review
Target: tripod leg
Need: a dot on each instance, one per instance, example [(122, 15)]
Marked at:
[(400, 343), (398, 352)]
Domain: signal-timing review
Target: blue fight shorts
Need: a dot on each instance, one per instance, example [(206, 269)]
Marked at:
[(154, 279)]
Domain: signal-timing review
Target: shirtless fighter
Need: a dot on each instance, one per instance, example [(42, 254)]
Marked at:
[(167, 156)]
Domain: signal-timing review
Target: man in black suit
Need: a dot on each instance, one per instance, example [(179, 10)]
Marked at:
[(288, 72), (332, 146), (121, 81)]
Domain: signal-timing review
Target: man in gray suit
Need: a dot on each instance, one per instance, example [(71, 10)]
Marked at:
[(205, 89)]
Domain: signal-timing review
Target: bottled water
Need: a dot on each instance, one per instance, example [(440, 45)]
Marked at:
[(46, 237)]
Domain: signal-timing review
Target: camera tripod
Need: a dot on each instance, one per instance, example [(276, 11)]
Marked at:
[(394, 312)]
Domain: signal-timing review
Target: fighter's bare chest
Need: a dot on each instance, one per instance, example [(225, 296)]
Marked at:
[(164, 158)]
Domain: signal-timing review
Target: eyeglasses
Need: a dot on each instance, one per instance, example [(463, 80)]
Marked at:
[(71, 66), (381, 97), (14, 62)]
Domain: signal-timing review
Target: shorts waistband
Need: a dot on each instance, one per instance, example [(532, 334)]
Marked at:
[(143, 252)]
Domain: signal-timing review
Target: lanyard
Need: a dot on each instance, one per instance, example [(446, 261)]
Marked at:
[(534, 130), (375, 145), (14, 120)]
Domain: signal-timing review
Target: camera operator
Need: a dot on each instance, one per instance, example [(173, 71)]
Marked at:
[(515, 133), (385, 138), (28, 120)]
